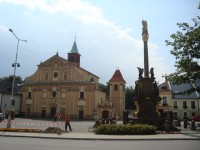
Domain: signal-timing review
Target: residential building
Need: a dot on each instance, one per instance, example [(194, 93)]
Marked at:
[(166, 104), (184, 106), (5, 95)]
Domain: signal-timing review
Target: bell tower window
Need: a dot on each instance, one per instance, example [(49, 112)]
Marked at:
[(115, 87)]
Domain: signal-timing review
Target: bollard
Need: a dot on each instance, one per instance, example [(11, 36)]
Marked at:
[(193, 125), (167, 127), (9, 122), (185, 123), (131, 122), (175, 123)]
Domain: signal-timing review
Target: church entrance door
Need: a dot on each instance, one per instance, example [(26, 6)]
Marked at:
[(53, 111), (105, 114)]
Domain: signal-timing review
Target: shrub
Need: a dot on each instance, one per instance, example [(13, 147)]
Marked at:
[(120, 129)]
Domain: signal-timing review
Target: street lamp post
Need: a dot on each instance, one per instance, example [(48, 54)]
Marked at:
[(15, 65)]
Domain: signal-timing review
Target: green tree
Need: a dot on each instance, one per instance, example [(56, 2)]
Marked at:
[(18, 78), (104, 88), (129, 93), (186, 49)]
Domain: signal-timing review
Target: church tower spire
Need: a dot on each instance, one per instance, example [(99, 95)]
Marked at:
[(73, 55)]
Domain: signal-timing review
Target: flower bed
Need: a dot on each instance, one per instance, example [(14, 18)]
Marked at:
[(20, 130), (48, 130)]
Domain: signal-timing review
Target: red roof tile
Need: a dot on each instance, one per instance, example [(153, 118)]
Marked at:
[(117, 77)]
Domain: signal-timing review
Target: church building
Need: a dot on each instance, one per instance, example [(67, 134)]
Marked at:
[(61, 86)]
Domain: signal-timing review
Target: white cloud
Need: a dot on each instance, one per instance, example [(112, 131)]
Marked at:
[(4, 28), (93, 16), (80, 10)]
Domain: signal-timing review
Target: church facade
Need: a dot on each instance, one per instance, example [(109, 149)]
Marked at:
[(60, 86)]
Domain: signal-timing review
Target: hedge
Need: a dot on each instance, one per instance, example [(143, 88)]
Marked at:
[(120, 129)]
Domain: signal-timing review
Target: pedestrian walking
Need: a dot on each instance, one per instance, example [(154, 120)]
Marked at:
[(67, 123)]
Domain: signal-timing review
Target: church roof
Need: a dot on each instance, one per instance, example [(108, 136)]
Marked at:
[(117, 77), (74, 48)]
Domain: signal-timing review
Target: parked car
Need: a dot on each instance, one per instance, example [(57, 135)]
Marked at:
[(195, 118)]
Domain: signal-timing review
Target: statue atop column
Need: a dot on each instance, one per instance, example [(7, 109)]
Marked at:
[(144, 29), (140, 72), (145, 37), (152, 73)]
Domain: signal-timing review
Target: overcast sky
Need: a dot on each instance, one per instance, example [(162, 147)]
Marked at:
[(108, 34)]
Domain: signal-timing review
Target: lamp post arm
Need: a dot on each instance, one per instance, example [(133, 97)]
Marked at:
[(13, 33)]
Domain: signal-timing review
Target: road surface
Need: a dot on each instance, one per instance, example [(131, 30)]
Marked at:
[(11, 143)]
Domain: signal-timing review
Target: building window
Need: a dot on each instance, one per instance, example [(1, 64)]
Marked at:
[(185, 104), (55, 74), (54, 94), (43, 111), (185, 114), (164, 101), (81, 95), (115, 87), (193, 105), (175, 104), (164, 87), (175, 114), (29, 94), (91, 79)]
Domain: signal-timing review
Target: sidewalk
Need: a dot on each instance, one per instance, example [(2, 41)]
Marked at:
[(80, 132), (184, 135)]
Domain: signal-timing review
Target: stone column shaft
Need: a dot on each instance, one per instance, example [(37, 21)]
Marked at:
[(146, 60)]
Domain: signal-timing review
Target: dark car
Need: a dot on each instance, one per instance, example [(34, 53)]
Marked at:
[(195, 118)]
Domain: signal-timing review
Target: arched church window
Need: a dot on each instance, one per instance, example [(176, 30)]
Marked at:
[(29, 94), (55, 75), (54, 94)]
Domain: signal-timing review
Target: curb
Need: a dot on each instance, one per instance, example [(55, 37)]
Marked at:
[(95, 137)]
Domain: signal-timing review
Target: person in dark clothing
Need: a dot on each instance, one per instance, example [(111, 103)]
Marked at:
[(67, 123)]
